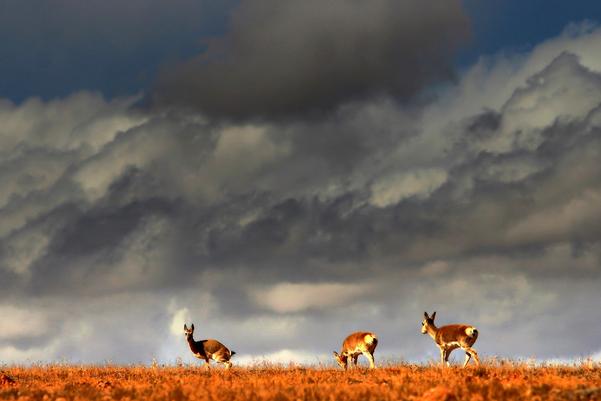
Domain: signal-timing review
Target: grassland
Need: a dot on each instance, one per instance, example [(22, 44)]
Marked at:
[(493, 381)]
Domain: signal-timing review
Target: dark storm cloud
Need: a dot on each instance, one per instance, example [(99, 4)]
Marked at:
[(282, 58), (483, 124)]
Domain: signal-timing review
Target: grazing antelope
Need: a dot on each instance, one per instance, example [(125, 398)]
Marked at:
[(362, 342), (451, 337), (208, 349)]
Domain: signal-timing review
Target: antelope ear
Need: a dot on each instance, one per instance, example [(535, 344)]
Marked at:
[(335, 354), (192, 327), (433, 315), (426, 315), (185, 327)]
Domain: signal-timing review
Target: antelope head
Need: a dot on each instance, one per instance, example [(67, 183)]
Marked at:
[(341, 359), (188, 332), (428, 322)]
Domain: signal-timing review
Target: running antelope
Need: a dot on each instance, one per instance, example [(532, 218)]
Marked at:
[(208, 349), (451, 337), (358, 343)]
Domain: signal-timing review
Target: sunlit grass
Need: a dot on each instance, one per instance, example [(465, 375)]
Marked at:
[(495, 380)]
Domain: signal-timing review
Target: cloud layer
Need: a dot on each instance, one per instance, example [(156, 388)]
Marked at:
[(279, 237), (285, 58)]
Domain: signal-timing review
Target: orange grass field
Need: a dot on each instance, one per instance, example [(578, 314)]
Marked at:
[(492, 381)]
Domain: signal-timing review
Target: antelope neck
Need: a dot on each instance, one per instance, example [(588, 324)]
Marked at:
[(432, 330), (191, 342)]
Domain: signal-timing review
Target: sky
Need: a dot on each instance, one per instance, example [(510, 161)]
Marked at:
[(284, 173)]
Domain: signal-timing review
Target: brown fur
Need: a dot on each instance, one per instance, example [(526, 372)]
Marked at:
[(208, 349), (355, 345), (455, 332), (451, 337)]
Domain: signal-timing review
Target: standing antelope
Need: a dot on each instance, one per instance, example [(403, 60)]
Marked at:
[(208, 349), (362, 342), (450, 337)]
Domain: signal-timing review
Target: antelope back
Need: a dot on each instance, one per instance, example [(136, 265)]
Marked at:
[(461, 334), (214, 347), (359, 342)]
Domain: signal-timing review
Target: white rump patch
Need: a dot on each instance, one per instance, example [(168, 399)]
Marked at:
[(369, 339), (470, 331)]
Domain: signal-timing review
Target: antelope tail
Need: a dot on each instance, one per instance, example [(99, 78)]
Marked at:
[(471, 331), (370, 339)]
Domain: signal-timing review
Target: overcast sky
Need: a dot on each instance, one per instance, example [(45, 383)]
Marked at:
[(282, 173)]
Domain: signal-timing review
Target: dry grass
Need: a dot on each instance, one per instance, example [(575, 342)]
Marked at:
[(495, 381)]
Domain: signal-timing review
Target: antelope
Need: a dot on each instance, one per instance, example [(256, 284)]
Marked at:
[(361, 342), (451, 337), (208, 349)]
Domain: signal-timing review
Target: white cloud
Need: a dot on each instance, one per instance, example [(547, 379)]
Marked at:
[(81, 119), (295, 297), (23, 249), (394, 188), (241, 152), (10, 354), (435, 268), (512, 170), (584, 360), (272, 327), (555, 222), (564, 90), (138, 149), (180, 317), (140, 256), (491, 83), (284, 357), (43, 143), (17, 322)]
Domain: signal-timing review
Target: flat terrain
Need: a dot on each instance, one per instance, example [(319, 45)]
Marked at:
[(397, 382)]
